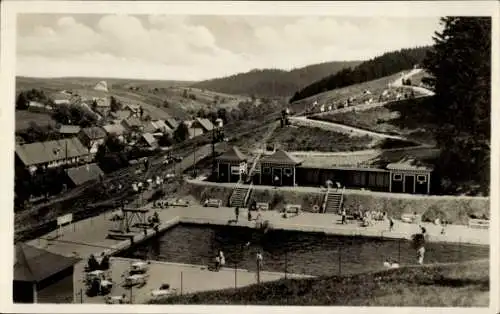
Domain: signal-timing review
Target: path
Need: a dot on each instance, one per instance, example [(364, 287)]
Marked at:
[(399, 83), (327, 125)]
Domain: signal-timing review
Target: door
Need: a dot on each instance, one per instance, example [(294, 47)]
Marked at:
[(409, 184), (277, 174)]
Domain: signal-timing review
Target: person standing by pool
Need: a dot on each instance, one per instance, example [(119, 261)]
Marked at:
[(222, 258), (420, 255), (391, 224), (259, 265), (217, 262), (237, 213), (343, 216), (249, 215)]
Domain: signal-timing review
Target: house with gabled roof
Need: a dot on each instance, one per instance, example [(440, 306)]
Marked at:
[(172, 123), (278, 169), (41, 276), (92, 137), (69, 130), (147, 140), (82, 174), (133, 125), (231, 165), (203, 124), (50, 154)]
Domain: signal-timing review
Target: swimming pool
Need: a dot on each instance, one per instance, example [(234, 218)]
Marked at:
[(297, 252)]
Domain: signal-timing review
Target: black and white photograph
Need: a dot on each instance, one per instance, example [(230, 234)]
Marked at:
[(202, 158)]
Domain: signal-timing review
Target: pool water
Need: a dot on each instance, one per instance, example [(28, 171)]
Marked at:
[(295, 252)]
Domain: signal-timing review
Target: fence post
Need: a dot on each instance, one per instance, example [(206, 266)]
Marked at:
[(258, 271), (81, 296), (459, 249), (340, 261), (286, 264), (235, 275), (399, 251), (181, 282)]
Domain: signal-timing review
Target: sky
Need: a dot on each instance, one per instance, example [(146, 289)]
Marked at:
[(198, 47)]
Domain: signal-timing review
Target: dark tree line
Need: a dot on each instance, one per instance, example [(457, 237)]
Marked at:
[(461, 69), (24, 98), (384, 65), (74, 115), (273, 82)]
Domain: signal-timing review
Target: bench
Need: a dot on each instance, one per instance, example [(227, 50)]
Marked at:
[(479, 223), (177, 202), (293, 208), (410, 218), (262, 206), (212, 203)]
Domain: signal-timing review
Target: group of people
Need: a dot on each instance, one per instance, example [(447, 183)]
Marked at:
[(220, 259), (249, 215)]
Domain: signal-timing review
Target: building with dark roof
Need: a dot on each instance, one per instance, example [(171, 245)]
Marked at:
[(148, 140), (92, 137), (278, 168), (231, 165), (72, 130), (51, 154), (133, 124), (82, 174), (41, 276), (171, 123), (203, 124), (398, 171)]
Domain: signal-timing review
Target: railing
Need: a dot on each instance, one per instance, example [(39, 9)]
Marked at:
[(342, 197), (247, 195), (325, 202)]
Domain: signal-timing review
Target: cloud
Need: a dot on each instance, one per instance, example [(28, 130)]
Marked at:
[(198, 47)]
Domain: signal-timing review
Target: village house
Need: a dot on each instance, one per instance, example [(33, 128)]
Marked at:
[(69, 130), (134, 110), (133, 125), (41, 276), (156, 128), (172, 123), (202, 123), (147, 140), (82, 174), (120, 115), (92, 137), (117, 130), (50, 154), (102, 106)]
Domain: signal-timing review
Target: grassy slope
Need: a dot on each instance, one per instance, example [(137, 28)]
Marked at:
[(341, 94), (453, 285), (304, 138), (150, 94), (409, 118)]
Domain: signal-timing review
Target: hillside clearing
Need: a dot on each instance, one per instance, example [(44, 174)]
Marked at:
[(410, 118), (452, 285), (302, 138)]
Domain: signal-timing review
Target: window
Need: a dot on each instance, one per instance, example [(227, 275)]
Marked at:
[(397, 177), (235, 170), (288, 171), (266, 170), (421, 178)]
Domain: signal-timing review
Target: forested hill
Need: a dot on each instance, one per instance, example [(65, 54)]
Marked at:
[(384, 65), (273, 82)]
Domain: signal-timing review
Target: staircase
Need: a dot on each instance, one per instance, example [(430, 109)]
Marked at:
[(333, 201), (240, 196)]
